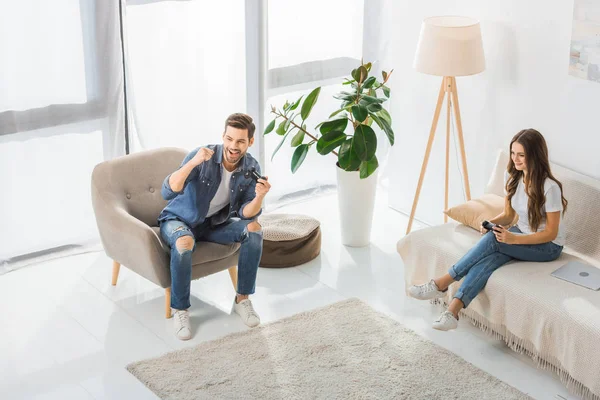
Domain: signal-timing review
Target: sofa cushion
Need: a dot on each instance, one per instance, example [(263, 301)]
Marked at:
[(475, 211), (205, 251)]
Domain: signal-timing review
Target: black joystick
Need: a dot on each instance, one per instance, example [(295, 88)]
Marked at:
[(251, 173), (488, 225)]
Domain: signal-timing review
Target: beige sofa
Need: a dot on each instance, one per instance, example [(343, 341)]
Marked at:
[(127, 201), (553, 321)]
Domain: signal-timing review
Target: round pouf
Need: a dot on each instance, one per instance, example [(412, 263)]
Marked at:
[(289, 239)]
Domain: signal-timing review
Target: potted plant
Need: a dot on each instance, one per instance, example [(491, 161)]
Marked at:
[(349, 136)]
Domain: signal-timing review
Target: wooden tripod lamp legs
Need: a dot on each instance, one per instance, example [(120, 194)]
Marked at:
[(448, 88)]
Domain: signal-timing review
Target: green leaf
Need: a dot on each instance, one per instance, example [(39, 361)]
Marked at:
[(369, 82), (328, 142), (295, 105), (386, 91), (288, 123), (360, 112), (384, 75), (279, 145), (281, 128), (368, 66), (298, 139), (347, 157), (364, 142), (336, 124), (270, 127), (375, 107), (298, 157), (309, 102), (363, 74), (356, 74), (385, 126), (372, 92), (286, 105), (368, 167), (366, 100), (346, 96), (347, 82), (385, 115)]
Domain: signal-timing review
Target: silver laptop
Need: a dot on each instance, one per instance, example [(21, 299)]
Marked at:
[(580, 274)]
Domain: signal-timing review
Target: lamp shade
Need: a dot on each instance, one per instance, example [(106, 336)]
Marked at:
[(450, 46)]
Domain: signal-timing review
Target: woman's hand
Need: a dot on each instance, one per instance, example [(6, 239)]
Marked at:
[(503, 235)]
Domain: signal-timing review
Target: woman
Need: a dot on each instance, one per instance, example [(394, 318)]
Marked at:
[(535, 196)]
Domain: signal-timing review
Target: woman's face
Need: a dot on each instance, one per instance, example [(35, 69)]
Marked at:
[(517, 154)]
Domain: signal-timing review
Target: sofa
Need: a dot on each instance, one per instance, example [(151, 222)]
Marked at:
[(553, 321)]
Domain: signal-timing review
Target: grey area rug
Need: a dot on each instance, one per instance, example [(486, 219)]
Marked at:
[(343, 351)]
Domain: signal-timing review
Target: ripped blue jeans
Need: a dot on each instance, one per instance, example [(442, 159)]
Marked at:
[(232, 231), (488, 255)]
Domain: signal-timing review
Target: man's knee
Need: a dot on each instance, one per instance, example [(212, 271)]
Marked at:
[(184, 243), (254, 226)]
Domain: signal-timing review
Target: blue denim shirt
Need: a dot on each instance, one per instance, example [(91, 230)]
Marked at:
[(191, 204)]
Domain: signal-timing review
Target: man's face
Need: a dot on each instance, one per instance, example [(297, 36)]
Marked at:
[(235, 144)]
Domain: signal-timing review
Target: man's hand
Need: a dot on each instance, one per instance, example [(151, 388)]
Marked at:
[(262, 187), (503, 235), (203, 154)]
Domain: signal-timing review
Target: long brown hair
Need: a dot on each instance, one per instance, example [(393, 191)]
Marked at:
[(538, 169)]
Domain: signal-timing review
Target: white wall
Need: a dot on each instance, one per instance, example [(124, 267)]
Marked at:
[(526, 85)]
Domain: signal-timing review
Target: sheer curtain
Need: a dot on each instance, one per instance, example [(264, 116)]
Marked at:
[(186, 70), (61, 113)]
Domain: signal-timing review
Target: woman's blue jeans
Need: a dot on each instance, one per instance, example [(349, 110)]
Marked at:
[(488, 255), (232, 231)]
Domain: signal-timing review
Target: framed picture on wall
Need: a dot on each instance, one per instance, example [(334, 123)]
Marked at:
[(585, 40)]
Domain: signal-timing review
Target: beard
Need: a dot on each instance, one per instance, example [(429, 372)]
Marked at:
[(233, 156)]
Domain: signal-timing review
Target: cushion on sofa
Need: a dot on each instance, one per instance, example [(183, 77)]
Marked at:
[(475, 211)]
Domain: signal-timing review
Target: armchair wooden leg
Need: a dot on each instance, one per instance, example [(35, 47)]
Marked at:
[(115, 274), (233, 274), (168, 302)]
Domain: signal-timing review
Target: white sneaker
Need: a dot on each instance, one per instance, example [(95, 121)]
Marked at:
[(445, 322), (246, 312), (181, 319), (426, 291)]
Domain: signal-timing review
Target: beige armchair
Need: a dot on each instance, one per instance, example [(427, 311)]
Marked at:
[(127, 201)]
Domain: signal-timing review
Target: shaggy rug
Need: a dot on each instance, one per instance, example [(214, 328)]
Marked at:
[(343, 351)]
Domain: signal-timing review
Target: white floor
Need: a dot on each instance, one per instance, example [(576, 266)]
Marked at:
[(66, 333)]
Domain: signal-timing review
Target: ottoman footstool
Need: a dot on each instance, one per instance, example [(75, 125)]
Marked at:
[(289, 240)]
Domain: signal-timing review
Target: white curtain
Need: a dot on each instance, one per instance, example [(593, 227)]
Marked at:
[(61, 113), (186, 70), (189, 64)]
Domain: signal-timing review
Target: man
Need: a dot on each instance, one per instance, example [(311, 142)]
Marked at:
[(213, 198)]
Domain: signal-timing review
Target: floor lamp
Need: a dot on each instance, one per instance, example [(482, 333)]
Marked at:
[(449, 46)]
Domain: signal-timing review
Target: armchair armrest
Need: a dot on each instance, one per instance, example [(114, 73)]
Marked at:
[(128, 240)]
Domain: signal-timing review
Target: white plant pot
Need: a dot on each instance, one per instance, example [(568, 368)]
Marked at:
[(356, 199)]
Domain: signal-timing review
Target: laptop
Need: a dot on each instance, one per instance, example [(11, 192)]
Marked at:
[(580, 274)]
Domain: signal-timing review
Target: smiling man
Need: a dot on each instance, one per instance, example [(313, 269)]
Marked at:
[(213, 198)]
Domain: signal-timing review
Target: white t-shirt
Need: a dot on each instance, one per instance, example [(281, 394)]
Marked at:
[(221, 198), (520, 200)]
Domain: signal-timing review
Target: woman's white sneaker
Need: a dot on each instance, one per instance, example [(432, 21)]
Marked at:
[(426, 291), (445, 322)]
